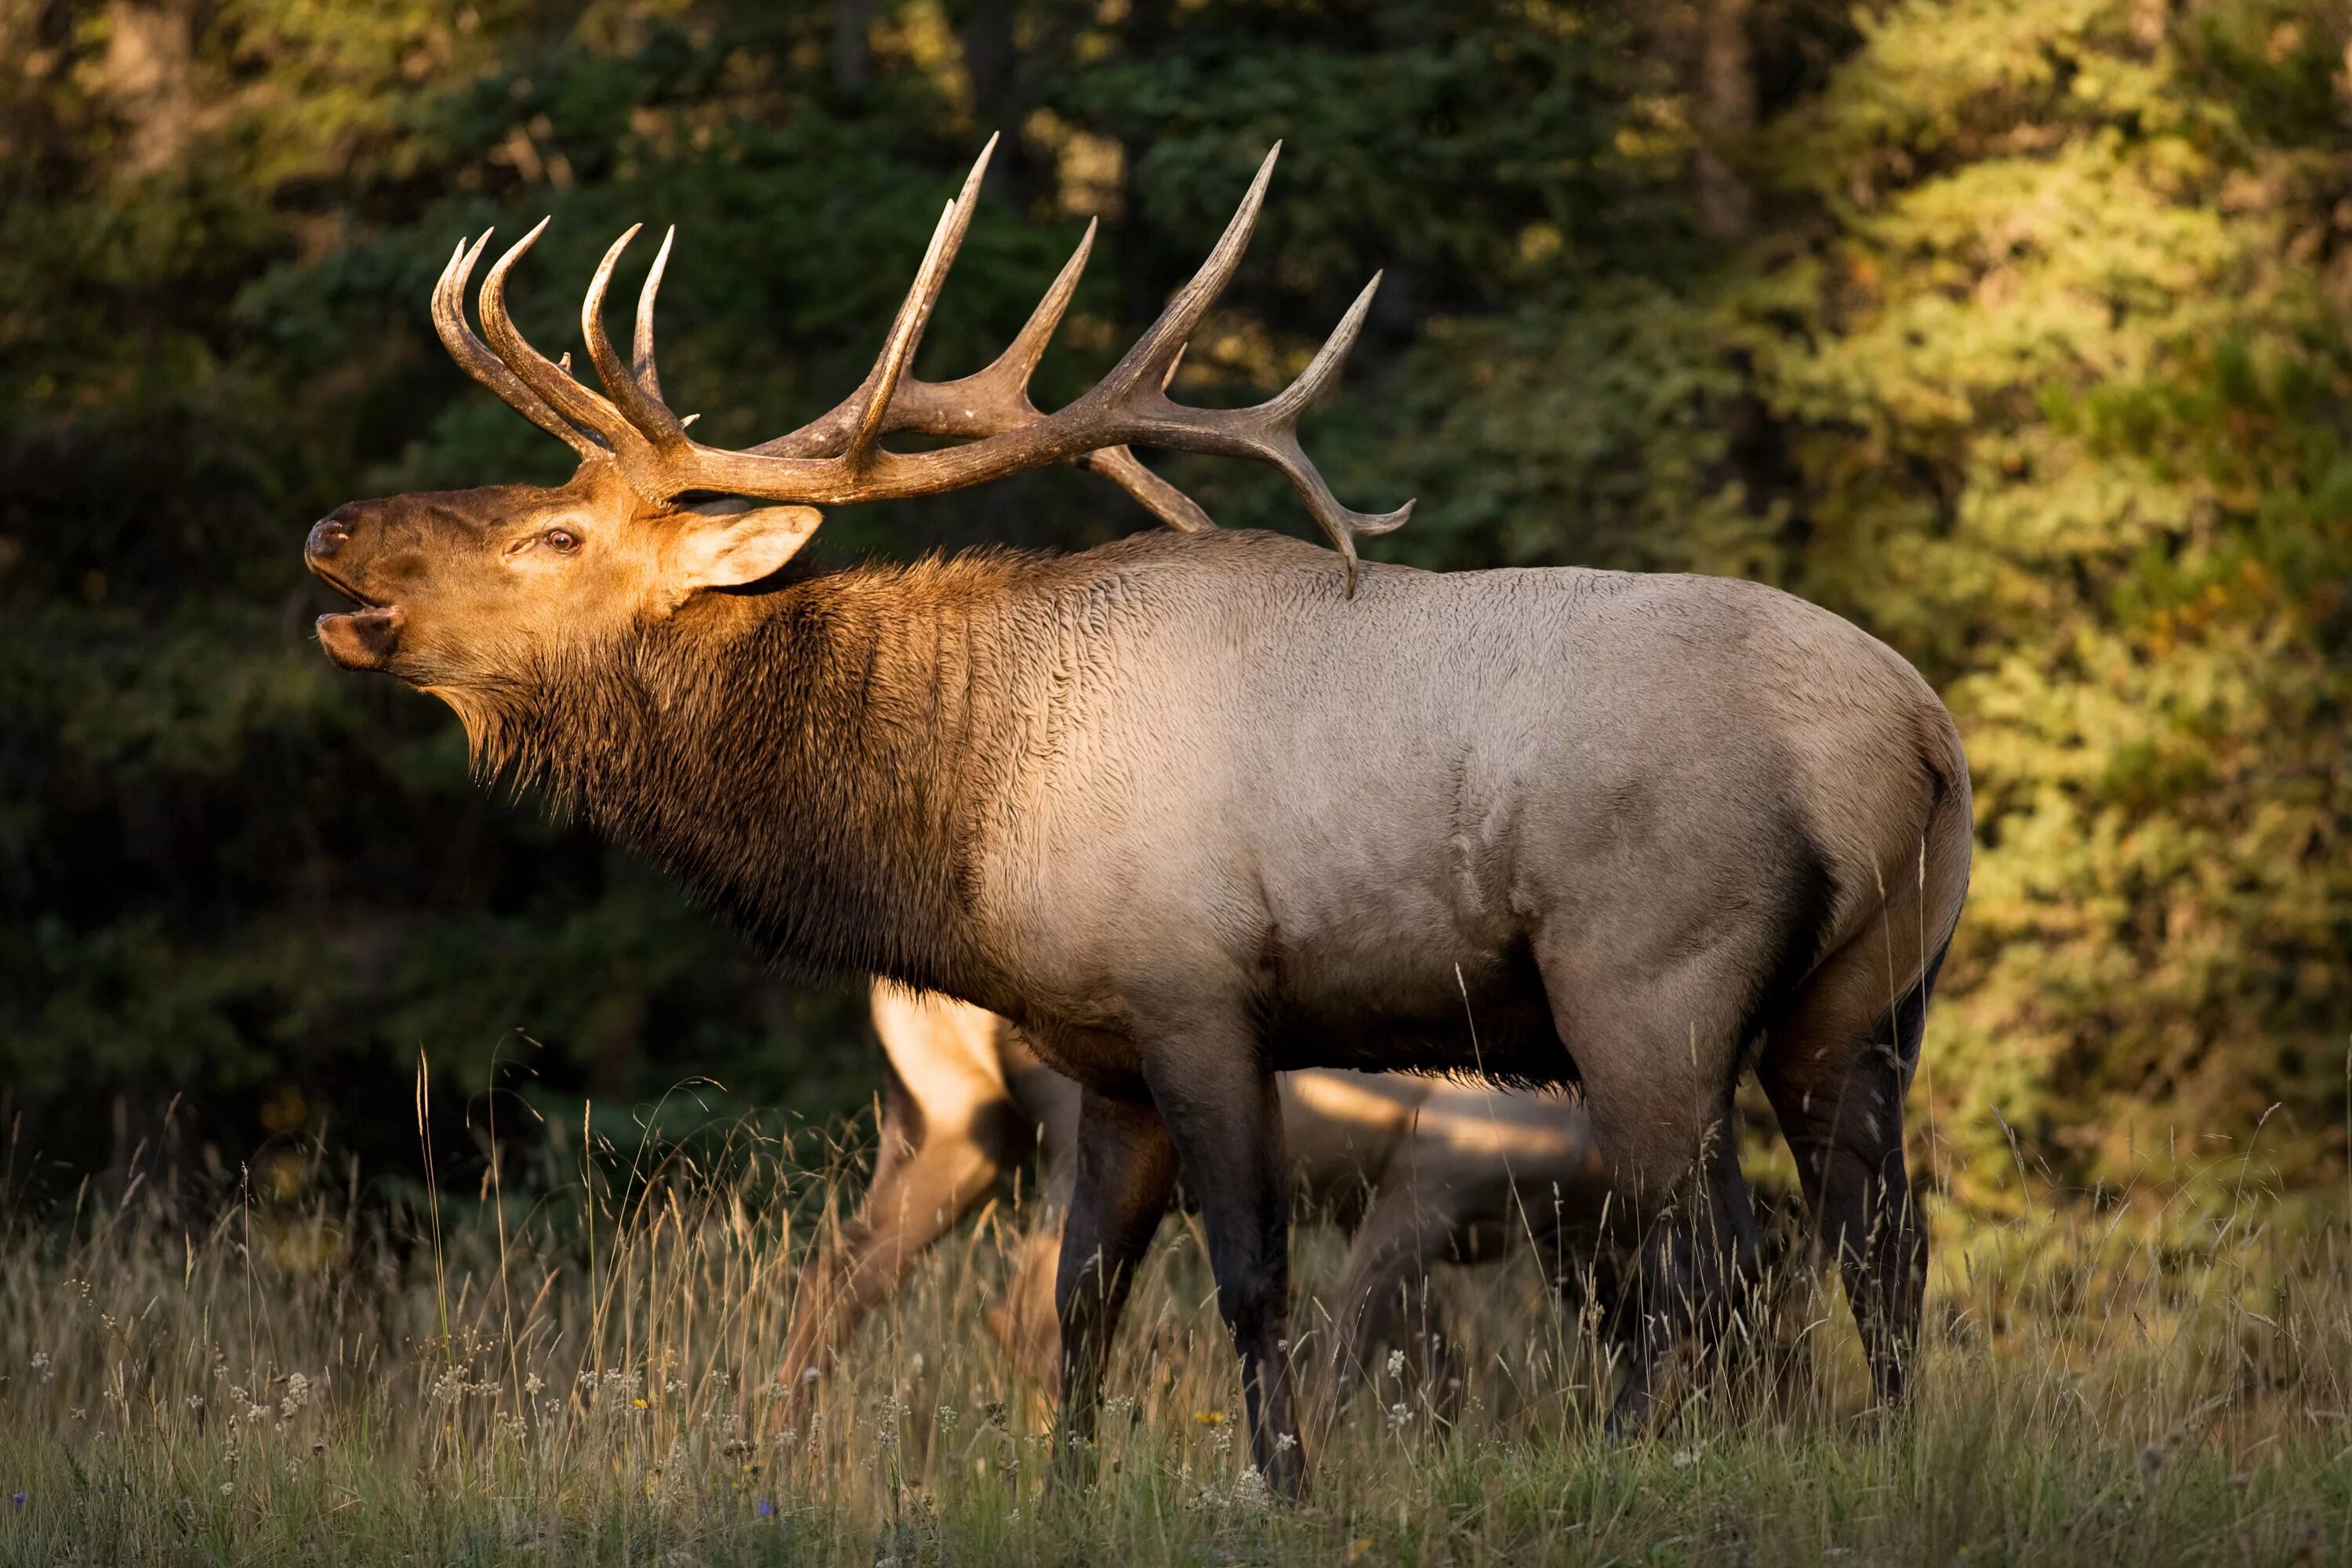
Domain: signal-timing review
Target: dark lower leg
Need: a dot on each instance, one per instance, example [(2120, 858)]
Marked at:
[(1698, 1265), (1126, 1174), (1882, 1251), (1227, 1124), (1848, 1139)]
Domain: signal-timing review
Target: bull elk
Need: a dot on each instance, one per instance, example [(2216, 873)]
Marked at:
[(1199, 806), (1421, 1171)]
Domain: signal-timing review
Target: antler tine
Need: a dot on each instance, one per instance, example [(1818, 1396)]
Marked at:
[(1270, 432), (915, 312), (998, 398), (475, 358), (648, 416), (1281, 415), (1163, 501), (642, 355), (1019, 361), (1154, 353), (985, 403), (993, 401), (1294, 399), (566, 395)]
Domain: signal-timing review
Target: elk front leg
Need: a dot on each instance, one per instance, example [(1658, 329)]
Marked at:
[(1126, 1174), (1221, 1108)]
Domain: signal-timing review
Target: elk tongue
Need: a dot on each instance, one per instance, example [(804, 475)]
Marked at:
[(362, 640)]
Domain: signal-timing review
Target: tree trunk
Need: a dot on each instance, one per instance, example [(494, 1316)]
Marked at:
[(1725, 106)]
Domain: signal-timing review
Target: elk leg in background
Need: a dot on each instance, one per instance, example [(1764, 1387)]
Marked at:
[(950, 1127), (1384, 1289), (1125, 1175), (1024, 1321), (1225, 1115), (1836, 1083)]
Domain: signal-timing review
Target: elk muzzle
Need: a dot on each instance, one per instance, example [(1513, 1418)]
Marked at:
[(364, 639)]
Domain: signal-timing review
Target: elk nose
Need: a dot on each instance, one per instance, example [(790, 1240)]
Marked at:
[(329, 537)]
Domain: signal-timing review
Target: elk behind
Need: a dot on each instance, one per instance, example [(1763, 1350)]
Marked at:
[(1194, 807)]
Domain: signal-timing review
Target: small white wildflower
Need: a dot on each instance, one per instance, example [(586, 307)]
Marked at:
[(1686, 1458), (533, 1385), (1396, 1363), (947, 1418), (41, 1365), (1399, 1415), (195, 1402), (298, 1395), (809, 1377), (228, 1489), (1284, 1443)]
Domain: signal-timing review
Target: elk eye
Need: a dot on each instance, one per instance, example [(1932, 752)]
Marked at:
[(560, 539)]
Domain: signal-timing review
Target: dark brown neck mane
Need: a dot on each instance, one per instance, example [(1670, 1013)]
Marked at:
[(813, 761)]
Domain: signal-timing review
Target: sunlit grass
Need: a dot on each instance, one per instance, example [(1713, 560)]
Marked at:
[(301, 1380)]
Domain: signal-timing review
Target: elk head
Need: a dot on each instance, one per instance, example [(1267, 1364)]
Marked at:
[(467, 593)]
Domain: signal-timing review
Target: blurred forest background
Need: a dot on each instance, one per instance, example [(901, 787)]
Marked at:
[(2015, 330)]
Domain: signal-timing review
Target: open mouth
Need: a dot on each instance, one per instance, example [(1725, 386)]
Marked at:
[(357, 596), (362, 638)]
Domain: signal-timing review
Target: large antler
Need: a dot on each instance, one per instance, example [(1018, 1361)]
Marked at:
[(837, 457)]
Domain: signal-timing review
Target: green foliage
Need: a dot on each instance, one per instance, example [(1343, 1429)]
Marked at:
[(2028, 355)]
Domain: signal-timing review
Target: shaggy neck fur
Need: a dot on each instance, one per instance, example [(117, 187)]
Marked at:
[(813, 760)]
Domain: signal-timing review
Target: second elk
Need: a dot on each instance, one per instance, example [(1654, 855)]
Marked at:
[(1421, 1172)]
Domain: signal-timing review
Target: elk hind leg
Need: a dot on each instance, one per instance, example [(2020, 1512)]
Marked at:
[(1835, 1067), (1658, 1065)]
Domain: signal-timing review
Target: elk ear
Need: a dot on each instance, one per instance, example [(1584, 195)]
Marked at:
[(728, 544)]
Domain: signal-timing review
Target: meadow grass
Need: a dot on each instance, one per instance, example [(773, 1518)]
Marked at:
[(578, 1373)]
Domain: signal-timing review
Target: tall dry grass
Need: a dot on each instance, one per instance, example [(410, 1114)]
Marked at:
[(577, 1373)]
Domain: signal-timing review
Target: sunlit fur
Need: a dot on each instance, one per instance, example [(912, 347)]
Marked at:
[(804, 757)]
